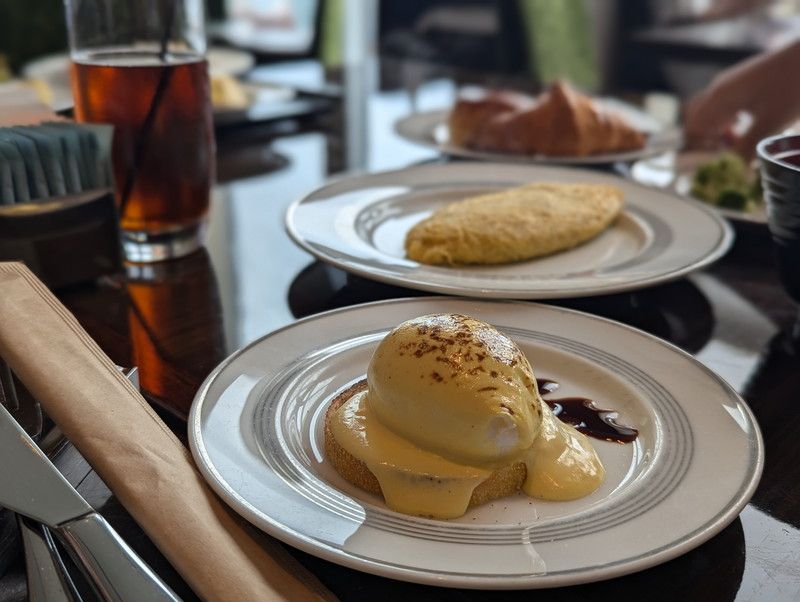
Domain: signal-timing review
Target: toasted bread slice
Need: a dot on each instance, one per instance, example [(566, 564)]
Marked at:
[(502, 482)]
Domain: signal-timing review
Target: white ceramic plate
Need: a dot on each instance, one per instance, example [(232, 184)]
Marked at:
[(673, 171), (261, 101), (229, 61), (256, 432), (429, 129), (53, 70), (359, 224)]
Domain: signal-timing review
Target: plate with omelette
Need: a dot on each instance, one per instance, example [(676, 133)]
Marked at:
[(506, 231), (473, 443), (558, 126)]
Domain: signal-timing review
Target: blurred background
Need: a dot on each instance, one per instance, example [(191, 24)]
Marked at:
[(600, 45), (375, 61)]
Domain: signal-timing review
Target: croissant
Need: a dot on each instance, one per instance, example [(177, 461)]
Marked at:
[(469, 115), (559, 122)]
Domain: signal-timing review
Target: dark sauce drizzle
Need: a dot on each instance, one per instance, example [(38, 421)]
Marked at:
[(546, 386), (585, 416)]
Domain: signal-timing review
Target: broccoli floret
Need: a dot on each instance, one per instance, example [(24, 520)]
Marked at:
[(723, 181), (732, 198), (704, 174)]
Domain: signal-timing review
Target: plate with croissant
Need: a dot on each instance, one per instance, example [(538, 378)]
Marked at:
[(560, 126)]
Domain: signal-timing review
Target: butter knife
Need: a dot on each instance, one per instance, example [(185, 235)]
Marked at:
[(48, 578), (30, 485)]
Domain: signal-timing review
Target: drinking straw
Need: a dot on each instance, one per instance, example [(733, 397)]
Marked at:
[(147, 125)]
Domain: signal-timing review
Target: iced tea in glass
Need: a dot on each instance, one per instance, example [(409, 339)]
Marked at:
[(146, 74)]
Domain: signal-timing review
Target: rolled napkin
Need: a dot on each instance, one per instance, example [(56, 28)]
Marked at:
[(138, 457)]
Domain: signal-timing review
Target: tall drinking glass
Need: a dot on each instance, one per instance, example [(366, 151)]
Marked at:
[(140, 66)]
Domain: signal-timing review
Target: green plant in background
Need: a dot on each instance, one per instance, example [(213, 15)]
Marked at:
[(560, 41), (330, 47), (5, 72), (30, 29)]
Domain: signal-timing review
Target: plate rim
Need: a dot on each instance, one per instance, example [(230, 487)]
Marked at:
[(303, 542), (401, 128), (726, 237)]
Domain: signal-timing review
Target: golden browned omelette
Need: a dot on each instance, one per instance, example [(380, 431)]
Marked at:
[(514, 224)]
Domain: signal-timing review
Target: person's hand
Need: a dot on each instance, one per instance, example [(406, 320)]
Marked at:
[(720, 117), (746, 103)]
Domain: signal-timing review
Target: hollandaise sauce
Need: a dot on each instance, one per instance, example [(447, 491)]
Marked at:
[(450, 400)]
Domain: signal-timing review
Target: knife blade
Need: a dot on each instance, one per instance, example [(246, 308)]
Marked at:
[(30, 485), (48, 579)]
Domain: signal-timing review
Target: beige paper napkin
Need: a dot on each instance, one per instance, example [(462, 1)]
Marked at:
[(138, 457)]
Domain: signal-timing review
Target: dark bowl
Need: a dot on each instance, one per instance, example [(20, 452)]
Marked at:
[(780, 176)]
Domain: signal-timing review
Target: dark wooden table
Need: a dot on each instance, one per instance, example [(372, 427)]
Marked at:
[(724, 41), (178, 319)]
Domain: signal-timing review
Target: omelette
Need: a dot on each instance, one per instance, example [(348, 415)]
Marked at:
[(514, 224)]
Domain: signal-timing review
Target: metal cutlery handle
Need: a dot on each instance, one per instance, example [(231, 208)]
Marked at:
[(8, 394), (48, 579), (117, 572)]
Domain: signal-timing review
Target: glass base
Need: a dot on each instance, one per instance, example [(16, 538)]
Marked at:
[(149, 247)]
